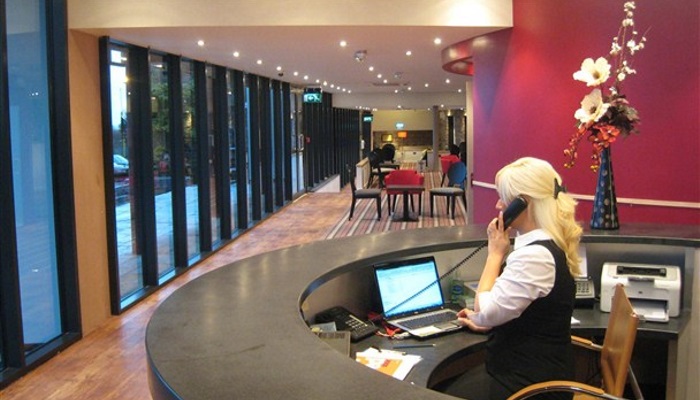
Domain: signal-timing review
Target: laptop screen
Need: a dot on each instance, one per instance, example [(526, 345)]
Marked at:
[(399, 281)]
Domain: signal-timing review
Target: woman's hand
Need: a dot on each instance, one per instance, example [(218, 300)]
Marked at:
[(499, 239), (463, 318)]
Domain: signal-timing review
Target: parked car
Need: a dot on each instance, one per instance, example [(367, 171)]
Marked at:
[(121, 165)]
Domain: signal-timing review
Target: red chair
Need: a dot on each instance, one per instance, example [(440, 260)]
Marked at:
[(403, 177), (445, 164)]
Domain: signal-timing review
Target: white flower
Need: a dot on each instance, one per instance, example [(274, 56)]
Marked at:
[(594, 73), (592, 108)]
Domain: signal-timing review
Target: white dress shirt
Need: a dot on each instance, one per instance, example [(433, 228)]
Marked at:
[(529, 275)]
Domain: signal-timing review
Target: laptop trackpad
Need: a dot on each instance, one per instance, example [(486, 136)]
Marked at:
[(426, 331)]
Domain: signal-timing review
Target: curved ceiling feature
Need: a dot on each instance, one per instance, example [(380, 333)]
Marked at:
[(457, 58)]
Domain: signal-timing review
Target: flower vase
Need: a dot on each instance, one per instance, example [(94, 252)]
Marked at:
[(605, 202)]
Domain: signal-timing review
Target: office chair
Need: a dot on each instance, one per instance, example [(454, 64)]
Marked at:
[(615, 356), (456, 176), (363, 194)]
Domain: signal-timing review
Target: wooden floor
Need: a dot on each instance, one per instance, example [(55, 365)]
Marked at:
[(110, 362)]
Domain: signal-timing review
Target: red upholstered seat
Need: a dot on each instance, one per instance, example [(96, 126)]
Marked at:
[(402, 177), (445, 164)]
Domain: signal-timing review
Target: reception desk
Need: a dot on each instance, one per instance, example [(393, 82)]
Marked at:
[(241, 331)]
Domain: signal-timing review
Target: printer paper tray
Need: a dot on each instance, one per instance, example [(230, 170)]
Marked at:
[(650, 310)]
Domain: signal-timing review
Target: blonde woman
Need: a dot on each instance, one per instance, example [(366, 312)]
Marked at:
[(526, 305)]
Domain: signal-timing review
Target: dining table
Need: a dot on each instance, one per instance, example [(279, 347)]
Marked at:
[(407, 190)]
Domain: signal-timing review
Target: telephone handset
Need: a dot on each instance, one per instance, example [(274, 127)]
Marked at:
[(515, 208)]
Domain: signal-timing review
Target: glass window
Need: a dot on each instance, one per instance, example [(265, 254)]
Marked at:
[(126, 191), (232, 147), (191, 159), (211, 162), (162, 178), (297, 140), (249, 186), (30, 135)]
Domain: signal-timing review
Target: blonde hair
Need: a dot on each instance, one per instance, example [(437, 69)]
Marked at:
[(552, 210)]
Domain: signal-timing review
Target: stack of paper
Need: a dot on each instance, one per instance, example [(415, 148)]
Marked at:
[(390, 362)]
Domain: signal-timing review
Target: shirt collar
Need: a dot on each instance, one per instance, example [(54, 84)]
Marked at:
[(532, 236)]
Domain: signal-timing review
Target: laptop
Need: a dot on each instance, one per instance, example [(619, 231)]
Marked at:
[(411, 297)]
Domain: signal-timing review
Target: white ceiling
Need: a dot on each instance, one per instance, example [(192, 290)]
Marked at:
[(315, 52)]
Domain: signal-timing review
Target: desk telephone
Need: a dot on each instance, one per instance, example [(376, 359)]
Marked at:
[(346, 321), (585, 291)]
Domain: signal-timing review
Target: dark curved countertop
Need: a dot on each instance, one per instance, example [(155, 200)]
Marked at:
[(238, 331)]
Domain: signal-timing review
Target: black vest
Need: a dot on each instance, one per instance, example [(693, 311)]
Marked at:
[(536, 346)]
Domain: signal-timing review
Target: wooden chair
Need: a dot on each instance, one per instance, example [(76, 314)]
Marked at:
[(364, 194), (375, 168), (615, 355), (456, 177)]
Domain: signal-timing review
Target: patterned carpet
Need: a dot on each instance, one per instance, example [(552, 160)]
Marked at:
[(365, 221)]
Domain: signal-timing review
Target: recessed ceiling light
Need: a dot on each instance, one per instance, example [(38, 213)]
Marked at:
[(279, 68), (409, 53), (325, 83), (259, 62), (343, 43), (306, 77), (236, 54), (437, 40), (459, 90), (427, 84), (200, 43), (379, 76), (371, 68), (385, 81), (447, 80), (318, 81), (296, 73)]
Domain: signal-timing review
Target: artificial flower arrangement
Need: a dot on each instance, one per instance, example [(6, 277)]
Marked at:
[(603, 117)]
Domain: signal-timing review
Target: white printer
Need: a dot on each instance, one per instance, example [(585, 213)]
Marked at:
[(653, 290)]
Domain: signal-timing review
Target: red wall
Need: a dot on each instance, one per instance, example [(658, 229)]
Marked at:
[(525, 99)]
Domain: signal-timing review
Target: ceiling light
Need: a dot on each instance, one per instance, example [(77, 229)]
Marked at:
[(437, 40), (371, 68), (306, 77), (447, 80), (360, 55), (259, 62), (279, 68), (409, 53), (427, 84), (236, 54), (296, 73), (379, 76), (200, 43), (343, 43)]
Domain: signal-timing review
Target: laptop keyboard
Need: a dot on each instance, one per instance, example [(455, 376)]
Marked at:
[(428, 319)]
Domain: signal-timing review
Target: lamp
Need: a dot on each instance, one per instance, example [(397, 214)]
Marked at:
[(402, 135)]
